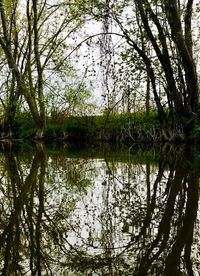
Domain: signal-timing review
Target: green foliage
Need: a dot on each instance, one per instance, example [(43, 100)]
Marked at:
[(115, 128), (24, 126), (112, 129), (77, 100), (135, 120)]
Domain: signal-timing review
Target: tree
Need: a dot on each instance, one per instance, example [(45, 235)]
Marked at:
[(33, 42), (10, 103), (166, 27), (7, 41)]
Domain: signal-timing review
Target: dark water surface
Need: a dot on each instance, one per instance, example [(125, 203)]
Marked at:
[(99, 212)]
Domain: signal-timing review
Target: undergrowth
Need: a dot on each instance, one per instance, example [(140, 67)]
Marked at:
[(123, 128)]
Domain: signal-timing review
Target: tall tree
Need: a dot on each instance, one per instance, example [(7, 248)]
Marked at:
[(33, 42), (11, 101), (6, 42), (167, 29)]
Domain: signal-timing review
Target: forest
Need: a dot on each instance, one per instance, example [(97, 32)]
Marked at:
[(106, 70), (99, 137)]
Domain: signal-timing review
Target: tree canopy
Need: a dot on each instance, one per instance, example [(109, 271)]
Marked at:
[(145, 51)]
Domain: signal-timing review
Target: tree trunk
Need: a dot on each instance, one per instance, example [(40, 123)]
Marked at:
[(34, 99), (147, 100), (40, 132), (184, 46), (10, 111)]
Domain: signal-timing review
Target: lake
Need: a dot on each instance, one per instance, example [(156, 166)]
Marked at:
[(99, 211)]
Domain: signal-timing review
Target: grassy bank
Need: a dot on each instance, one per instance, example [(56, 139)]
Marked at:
[(121, 128), (113, 129)]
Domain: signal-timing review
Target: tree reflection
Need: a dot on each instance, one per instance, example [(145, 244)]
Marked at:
[(37, 196), (157, 210), (73, 216), (18, 209), (173, 237)]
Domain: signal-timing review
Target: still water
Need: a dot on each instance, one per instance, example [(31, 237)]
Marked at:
[(97, 212)]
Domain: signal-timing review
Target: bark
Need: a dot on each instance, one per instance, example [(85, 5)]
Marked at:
[(162, 53), (188, 26), (38, 114), (151, 75), (39, 68), (149, 69), (40, 132), (184, 47), (38, 118), (14, 94), (147, 101), (9, 117)]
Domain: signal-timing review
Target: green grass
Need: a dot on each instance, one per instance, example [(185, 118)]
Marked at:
[(113, 128), (24, 126)]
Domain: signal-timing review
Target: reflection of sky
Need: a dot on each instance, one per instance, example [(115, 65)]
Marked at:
[(99, 215), (99, 211)]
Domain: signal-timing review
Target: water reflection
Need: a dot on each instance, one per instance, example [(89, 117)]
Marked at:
[(87, 216)]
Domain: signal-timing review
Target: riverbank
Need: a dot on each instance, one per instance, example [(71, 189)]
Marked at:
[(121, 128), (113, 129)]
